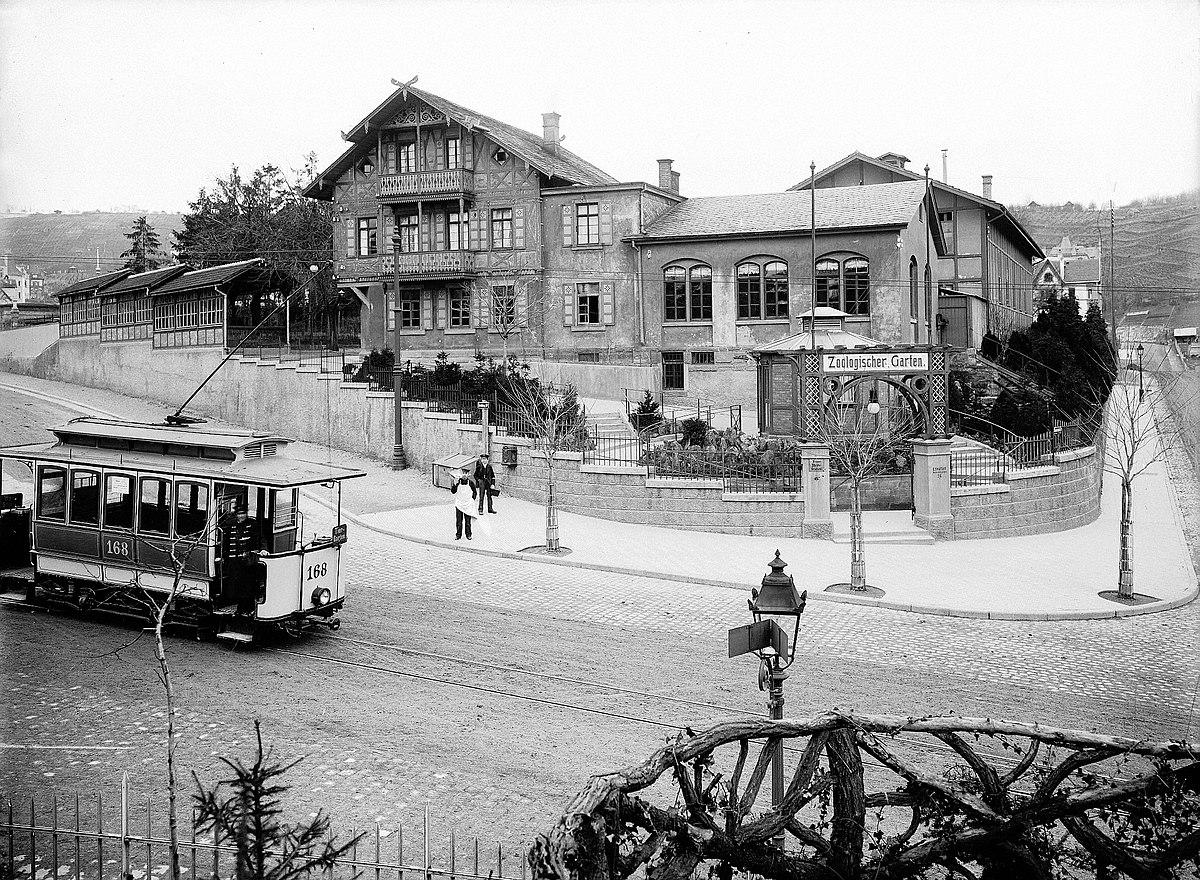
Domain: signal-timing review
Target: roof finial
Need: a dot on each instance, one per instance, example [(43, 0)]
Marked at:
[(404, 86)]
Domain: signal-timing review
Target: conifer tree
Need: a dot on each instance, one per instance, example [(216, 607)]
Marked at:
[(143, 254)]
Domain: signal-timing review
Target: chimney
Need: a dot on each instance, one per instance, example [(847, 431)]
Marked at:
[(987, 186), (675, 181), (550, 135), (665, 174), (945, 169)]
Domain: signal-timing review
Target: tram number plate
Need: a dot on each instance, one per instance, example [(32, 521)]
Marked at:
[(118, 548)]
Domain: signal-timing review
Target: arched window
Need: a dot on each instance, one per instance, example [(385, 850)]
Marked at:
[(675, 293), (762, 291), (700, 294), (687, 293), (749, 286), (914, 296), (844, 283)]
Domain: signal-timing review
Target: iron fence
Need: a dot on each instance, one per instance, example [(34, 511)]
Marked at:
[(72, 840), (976, 467)]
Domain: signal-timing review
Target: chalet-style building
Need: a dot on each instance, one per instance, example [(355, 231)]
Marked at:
[(461, 233), (175, 307), (732, 273), (1072, 270), (985, 278)]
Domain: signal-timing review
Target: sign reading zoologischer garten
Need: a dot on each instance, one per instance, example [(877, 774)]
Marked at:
[(875, 361)]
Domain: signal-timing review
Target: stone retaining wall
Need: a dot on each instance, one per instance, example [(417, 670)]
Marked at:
[(627, 495), (1059, 496)]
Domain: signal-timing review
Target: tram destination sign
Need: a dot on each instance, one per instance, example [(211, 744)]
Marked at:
[(876, 362)]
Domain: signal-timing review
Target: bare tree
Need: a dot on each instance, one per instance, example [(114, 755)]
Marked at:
[(864, 439), (555, 421), (515, 304), (1135, 440), (1023, 802), (160, 606)]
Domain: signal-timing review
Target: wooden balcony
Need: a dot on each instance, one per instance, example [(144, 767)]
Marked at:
[(431, 264), (426, 184)]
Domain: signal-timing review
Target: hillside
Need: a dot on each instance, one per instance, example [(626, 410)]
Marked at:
[(1156, 248), (50, 244)]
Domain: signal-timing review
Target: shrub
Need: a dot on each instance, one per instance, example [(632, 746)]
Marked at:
[(694, 431), (646, 413), (445, 371)]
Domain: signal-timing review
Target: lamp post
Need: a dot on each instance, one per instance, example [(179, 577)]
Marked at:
[(1141, 387), (776, 608)]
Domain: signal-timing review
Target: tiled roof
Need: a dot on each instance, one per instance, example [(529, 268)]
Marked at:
[(92, 284), (884, 204), (1082, 270), (559, 163), (210, 276), (146, 279)]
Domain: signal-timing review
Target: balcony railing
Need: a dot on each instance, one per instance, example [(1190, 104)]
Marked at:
[(431, 263), (452, 181)]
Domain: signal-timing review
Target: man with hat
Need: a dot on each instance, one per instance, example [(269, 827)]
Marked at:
[(485, 479)]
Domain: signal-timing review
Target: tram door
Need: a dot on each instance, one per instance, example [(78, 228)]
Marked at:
[(241, 510)]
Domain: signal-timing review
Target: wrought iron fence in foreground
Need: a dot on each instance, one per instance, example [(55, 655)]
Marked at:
[(70, 840)]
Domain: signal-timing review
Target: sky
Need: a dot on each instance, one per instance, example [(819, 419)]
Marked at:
[(127, 103)]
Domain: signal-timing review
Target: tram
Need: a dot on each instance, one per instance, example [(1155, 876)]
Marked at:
[(122, 511)]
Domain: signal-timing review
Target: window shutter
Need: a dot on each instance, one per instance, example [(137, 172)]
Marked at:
[(608, 311), (349, 238), (426, 242), (483, 305), (427, 309), (568, 303), (606, 226), (439, 152), (521, 296), (439, 231), (568, 225), (442, 296), (474, 232), (518, 228)]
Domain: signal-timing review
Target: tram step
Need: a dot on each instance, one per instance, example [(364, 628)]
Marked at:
[(234, 636)]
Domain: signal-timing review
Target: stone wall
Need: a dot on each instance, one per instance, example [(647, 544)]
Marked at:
[(1053, 498), (298, 402), (627, 495)]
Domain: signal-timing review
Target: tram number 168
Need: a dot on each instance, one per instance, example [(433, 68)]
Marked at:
[(319, 570), (120, 548)]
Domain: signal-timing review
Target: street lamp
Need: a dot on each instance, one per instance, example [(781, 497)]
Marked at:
[(1141, 387), (776, 607)]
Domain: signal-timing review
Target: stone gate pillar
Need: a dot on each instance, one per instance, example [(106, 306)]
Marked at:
[(931, 487), (814, 477)]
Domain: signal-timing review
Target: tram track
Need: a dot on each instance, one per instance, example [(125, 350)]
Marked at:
[(933, 748)]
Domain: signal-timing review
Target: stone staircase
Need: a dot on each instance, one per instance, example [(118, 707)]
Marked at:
[(881, 527), (610, 424)]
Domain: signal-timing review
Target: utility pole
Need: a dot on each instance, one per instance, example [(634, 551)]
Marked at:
[(1112, 289), (812, 202)]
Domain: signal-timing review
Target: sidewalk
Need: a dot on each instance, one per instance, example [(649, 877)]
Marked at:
[(1039, 577)]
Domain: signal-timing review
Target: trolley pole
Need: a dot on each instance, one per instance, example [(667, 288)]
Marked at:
[(485, 440), (775, 710)]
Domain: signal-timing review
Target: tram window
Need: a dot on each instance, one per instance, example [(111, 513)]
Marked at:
[(154, 511), (118, 501), (85, 498), (191, 508), (52, 494), (285, 509)]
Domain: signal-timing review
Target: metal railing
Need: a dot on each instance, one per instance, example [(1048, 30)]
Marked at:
[(976, 467), (754, 472), (717, 416), (59, 841)]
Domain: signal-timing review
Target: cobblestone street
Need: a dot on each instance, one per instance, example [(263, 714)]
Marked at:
[(494, 745)]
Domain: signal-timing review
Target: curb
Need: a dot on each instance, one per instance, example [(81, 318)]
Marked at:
[(937, 611), (841, 598)]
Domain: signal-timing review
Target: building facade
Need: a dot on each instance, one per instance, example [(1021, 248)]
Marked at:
[(461, 233), (729, 274), (985, 278)]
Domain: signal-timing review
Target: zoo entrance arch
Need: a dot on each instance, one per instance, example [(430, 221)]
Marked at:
[(794, 387)]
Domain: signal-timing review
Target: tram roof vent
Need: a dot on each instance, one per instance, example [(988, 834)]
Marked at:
[(261, 450)]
